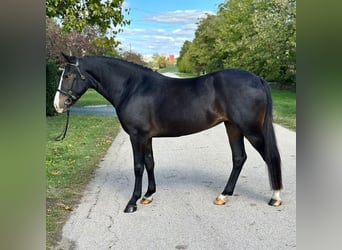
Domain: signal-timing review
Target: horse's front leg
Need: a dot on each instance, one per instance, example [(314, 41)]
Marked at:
[(138, 145), (149, 164)]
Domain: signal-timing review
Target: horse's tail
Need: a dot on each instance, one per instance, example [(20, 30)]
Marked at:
[(272, 156)]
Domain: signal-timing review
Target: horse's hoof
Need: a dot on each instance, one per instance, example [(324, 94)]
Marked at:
[(146, 200), (221, 200), (275, 203), (130, 208)]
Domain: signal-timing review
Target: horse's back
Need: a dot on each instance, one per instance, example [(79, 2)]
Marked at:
[(234, 80)]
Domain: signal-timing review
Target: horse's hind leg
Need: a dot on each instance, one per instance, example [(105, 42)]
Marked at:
[(149, 164), (239, 157), (258, 142)]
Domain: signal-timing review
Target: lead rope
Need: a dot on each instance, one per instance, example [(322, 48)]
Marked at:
[(62, 135)]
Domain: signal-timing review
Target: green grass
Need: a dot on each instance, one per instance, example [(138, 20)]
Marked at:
[(284, 106), (91, 97), (169, 69), (174, 69), (70, 164)]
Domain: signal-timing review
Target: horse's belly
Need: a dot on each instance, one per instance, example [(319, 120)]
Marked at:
[(187, 124)]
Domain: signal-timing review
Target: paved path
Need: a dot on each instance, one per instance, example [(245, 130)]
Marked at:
[(190, 172), (106, 110)]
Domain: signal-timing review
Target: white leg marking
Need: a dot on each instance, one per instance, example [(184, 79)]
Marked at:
[(57, 96), (148, 198), (223, 197), (276, 195)]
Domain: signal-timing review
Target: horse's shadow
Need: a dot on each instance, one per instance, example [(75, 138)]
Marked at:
[(183, 180)]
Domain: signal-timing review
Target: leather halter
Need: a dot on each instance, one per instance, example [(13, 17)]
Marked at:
[(70, 98), (69, 93)]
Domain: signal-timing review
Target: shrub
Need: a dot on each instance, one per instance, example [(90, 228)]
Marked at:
[(52, 76)]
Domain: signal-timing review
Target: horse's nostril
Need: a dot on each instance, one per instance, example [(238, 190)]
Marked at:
[(68, 101)]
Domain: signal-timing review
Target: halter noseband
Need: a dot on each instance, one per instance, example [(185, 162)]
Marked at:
[(68, 94)]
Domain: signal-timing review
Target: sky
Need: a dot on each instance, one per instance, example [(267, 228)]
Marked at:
[(162, 26)]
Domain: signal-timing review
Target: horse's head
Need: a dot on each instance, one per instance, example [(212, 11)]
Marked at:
[(71, 85)]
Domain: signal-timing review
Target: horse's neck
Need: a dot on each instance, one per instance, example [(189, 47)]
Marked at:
[(110, 83)]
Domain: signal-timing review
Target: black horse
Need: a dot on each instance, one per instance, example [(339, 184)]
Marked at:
[(149, 105)]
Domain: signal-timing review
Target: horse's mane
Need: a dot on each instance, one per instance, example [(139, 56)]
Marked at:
[(123, 62)]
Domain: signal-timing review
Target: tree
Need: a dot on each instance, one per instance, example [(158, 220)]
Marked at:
[(159, 61), (162, 62), (255, 35), (183, 61), (106, 17), (87, 42), (202, 52), (275, 39), (199, 55), (235, 29), (76, 15), (260, 36), (133, 57)]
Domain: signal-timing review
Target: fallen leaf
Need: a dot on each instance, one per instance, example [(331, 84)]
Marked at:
[(66, 207), (55, 173)]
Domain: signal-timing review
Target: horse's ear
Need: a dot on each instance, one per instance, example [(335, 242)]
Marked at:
[(69, 59)]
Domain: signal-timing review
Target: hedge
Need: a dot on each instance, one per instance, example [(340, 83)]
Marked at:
[(52, 76)]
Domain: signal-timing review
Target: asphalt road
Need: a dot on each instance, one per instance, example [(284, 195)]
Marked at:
[(190, 172)]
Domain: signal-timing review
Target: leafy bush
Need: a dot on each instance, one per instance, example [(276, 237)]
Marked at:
[(52, 76)]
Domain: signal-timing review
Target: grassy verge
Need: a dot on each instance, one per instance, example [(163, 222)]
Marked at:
[(91, 97), (70, 164), (174, 69), (284, 107)]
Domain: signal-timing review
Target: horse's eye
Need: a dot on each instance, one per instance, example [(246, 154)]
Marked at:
[(66, 76)]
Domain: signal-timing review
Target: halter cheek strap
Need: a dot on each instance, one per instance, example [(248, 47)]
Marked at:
[(78, 69)]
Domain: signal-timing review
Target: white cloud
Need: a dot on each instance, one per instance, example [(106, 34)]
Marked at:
[(178, 16), (134, 31), (183, 32), (163, 38), (163, 33), (161, 30), (176, 31)]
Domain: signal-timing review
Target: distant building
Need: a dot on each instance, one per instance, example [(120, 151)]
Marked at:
[(172, 58)]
